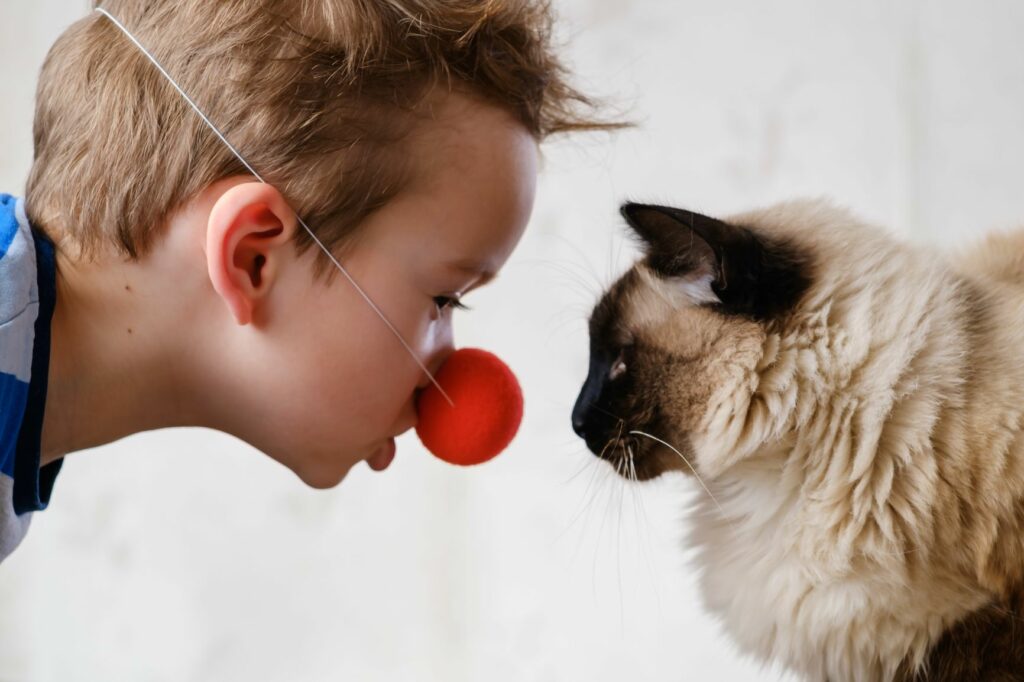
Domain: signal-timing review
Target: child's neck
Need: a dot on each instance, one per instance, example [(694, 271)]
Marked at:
[(119, 361)]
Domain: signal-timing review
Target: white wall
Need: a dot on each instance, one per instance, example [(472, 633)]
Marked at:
[(185, 555)]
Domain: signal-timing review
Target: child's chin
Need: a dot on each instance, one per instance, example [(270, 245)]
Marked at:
[(323, 479)]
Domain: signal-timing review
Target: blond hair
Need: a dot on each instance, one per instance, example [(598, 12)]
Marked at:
[(318, 96)]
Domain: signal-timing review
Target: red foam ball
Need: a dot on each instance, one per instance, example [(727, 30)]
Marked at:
[(486, 415)]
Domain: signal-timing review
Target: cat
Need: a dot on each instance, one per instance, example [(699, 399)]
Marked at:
[(854, 406)]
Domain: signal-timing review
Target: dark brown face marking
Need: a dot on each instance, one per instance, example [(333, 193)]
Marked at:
[(752, 275), (622, 389), (594, 417), (645, 380)]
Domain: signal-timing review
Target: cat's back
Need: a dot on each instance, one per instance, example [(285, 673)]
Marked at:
[(998, 255)]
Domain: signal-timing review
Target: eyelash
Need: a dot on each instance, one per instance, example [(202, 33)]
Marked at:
[(443, 302)]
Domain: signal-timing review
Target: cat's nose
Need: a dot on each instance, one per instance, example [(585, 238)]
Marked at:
[(581, 413), (590, 393), (577, 424)]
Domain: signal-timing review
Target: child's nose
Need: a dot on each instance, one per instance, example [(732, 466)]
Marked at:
[(434, 366)]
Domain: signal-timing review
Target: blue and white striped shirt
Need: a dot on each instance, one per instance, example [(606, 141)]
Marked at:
[(27, 296)]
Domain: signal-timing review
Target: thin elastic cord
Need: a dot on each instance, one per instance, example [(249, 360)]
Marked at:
[(252, 170)]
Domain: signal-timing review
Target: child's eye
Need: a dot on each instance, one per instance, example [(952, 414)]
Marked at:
[(445, 302)]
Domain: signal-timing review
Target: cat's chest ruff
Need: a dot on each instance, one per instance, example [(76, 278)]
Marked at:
[(779, 604)]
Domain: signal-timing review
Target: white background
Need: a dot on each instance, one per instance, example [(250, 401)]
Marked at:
[(186, 555)]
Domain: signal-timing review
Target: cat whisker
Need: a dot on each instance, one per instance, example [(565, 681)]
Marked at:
[(586, 465), (612, 441), (608, 445), (584, 265), (618, 541), (683, 457), (622, 423), (589, 494), (590, 288), (600, 529), (643, 523), (631, 471), (601, 409), (556, 330)]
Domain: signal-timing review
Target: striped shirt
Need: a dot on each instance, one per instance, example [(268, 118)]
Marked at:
[(27, 296)]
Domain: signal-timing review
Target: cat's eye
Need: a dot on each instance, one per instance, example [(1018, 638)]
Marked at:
[(618, 367)]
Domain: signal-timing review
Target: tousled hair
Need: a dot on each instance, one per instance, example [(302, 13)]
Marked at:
[(318, 95)]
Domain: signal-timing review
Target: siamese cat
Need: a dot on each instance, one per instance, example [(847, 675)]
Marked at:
[(854, 407)]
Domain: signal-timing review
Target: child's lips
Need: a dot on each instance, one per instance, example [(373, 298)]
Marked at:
[(380, 460)]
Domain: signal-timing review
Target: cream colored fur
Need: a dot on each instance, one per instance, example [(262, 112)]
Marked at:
[(866, 452)]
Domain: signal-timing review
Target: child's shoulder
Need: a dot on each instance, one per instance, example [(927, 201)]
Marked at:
[(19, 308), (19, 290)]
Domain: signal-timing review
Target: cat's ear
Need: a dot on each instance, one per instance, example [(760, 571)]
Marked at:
[(719, 262)]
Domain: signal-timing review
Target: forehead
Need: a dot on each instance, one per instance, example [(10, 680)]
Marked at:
[(641, 304), (611, 320), (473, 169)]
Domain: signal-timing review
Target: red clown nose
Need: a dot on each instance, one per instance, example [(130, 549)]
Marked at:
[(487, 412)]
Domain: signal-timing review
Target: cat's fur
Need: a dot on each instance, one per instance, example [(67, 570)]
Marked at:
[(855, 404)]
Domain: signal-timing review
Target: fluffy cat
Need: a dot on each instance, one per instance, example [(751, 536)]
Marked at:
[(855, 406)]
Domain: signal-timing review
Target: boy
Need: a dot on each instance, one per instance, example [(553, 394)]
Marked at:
[(148, 280)]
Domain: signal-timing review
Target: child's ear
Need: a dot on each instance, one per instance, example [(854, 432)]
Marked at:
[(249, 226)]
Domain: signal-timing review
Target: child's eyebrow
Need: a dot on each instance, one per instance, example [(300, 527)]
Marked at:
[(469, 267)]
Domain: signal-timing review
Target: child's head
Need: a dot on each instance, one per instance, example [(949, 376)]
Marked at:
[(404, 133)]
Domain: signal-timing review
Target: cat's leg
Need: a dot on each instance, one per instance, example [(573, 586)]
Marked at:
[(985, 646)]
